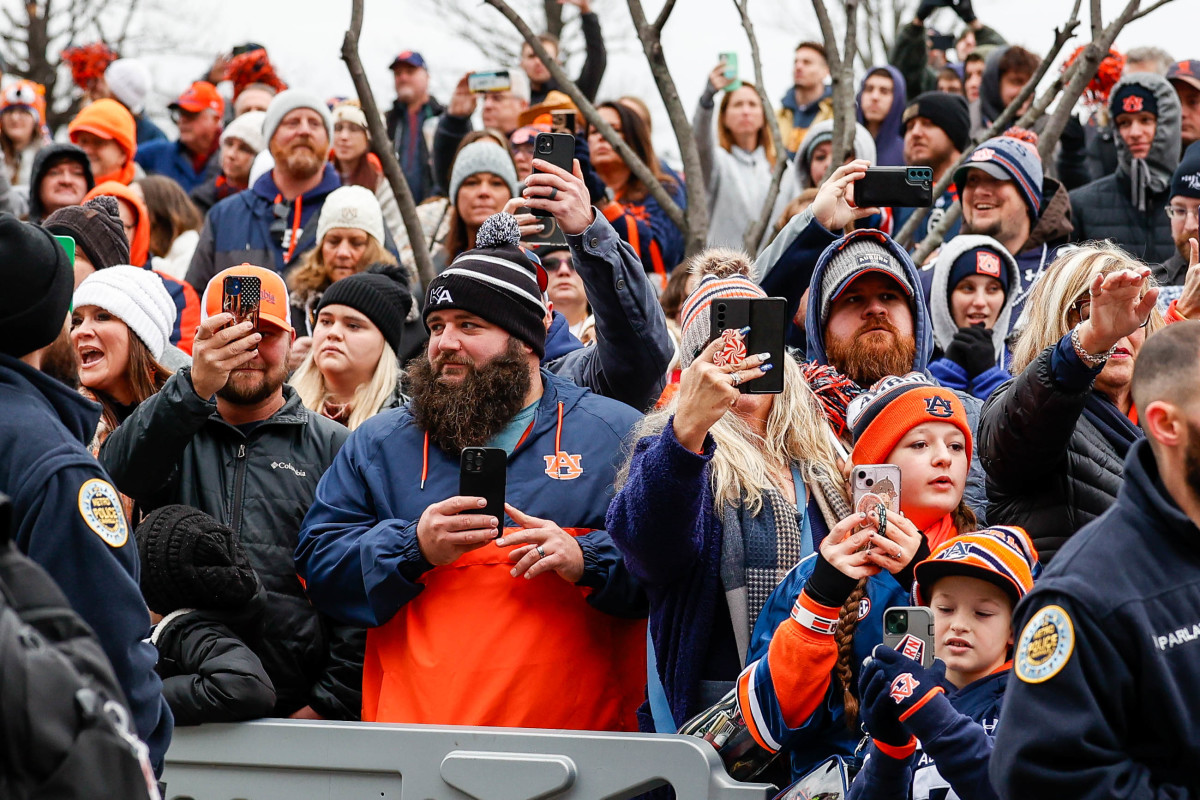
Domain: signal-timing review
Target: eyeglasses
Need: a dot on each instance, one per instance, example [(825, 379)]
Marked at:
[(555, 264), (1179, 212), (1083, 308)]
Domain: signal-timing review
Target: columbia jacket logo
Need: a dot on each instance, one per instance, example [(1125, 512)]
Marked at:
[(564, 466), (284, 465)]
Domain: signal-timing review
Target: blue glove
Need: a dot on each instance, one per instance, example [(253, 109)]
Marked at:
[(908, 685), (879, 713)]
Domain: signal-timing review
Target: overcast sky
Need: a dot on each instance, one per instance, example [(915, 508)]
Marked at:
[(304, 39)]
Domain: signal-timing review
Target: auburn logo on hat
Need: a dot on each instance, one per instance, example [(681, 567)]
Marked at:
[(903, 687), (987, 263), (983, 154), (1132, 104), (938, 407), (564, 466), (349, 212)]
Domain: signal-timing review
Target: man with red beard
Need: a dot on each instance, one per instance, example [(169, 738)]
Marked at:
[(227, 437), (525, 619), (274, 222)]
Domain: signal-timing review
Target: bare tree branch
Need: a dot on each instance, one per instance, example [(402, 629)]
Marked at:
[(754, 233), (383, 146), (124, 34), (660, 21), (1146, 11), (1097, 19)]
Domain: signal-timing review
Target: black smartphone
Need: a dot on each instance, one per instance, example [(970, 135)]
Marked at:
[(909, 629), (767, 318), (559, 150), (482, 473), (240, 296), (895, 187), (551, 234)]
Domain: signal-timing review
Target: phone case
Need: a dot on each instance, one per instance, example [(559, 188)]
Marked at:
[(915, 638), (496, 81), (872, 484), (482, 472), (551, 234), (730, 62), (766, 317), (241, 295), (559, 150), (895, 187)]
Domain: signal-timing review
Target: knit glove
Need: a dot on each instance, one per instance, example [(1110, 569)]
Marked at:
[(880, 715), (908, 685), (973, 350), (927, 7), (964, 10)]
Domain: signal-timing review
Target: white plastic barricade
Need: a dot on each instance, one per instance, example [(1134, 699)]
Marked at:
[(301, 760)]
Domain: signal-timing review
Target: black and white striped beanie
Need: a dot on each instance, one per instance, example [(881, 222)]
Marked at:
[(496, 281)]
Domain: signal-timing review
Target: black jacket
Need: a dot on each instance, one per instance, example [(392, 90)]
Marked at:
[(1050, 467), (175, 448), (209, 671), (1102, 702), (594, 64), (410, 147)]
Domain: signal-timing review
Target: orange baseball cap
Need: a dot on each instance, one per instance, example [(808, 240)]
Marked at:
[(273, 304), (201, 96)]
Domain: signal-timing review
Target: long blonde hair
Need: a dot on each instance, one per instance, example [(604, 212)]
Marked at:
[(369, 397), (1069, 276)]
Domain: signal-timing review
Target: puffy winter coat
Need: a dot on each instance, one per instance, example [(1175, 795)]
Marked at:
[(176, 448), (1051, 462)]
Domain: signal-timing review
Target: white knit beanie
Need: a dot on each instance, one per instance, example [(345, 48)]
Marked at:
[(247, 128), (137, 297), (351, 207), (129, 81), (290, 100), (479, 156), (350, 112)]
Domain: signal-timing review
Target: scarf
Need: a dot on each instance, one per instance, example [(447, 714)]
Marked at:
[(758, 550), (941, 531), (1116, 428)]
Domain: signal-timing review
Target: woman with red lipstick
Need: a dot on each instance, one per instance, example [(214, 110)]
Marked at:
[(1053, 441), (800, 691), (352, 372)]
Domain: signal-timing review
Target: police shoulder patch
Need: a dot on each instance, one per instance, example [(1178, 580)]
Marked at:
[(100, 507), (1045, 646)]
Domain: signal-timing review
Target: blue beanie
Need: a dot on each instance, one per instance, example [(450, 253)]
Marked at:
[(986, 261), (1008, 159)]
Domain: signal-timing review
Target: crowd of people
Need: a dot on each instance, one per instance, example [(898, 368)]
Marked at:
[(261, 516)]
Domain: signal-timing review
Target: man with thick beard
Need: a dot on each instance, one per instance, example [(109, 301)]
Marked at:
[(527, 621), (228, 437), (66, 514), (274, 222), (1106, 662)]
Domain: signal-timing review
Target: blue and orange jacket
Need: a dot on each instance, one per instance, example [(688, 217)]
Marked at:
[(465, 643), (787, 692)]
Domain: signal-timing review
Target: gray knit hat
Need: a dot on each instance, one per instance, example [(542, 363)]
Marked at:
[(482, 156), (290, 100), (856, 254)]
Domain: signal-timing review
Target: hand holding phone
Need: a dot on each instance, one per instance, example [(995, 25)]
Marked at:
[(483, 473), (241, 296), (729, 64), (766, 321), (557, 149), (909, 631), (895, 187)]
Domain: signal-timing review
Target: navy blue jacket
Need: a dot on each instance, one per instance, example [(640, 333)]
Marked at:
[(950, 765), (172, 160), (60, 494), (237, 230), (358, 551), (1103, 699)]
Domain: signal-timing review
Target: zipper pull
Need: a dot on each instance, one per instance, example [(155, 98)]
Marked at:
[(241, 450)]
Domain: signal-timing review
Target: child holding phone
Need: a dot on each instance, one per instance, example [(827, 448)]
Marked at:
[(799, 691), (972, 583)]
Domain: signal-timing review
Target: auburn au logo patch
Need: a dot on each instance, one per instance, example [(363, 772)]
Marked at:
[(563, 466), (903, 687), (1132, 104), (938, 407)]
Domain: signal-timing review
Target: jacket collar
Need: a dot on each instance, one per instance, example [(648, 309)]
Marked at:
[(1054, 226), (292, 412), (559, 339), (265, 186), (1144, 494), (79, 415)]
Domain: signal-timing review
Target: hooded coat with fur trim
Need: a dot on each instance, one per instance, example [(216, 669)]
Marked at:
[(1113, 207)]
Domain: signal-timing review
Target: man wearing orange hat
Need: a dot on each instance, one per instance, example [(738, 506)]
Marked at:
[(108, 134), (228, 437), (193, 159)]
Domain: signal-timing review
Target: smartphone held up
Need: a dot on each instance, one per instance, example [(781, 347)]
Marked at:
[(241, 296)]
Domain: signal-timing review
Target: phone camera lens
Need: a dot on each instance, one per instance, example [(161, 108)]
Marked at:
[(862, 475), (896, 622), (870, 482), (235, 286), (545, 146)]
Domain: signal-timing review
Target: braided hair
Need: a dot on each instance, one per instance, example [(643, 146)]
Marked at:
[(844, 638)]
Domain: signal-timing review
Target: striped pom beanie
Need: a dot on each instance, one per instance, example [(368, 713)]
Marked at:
[(881, 416), (1004, 556), (697, 332), (496, 281)]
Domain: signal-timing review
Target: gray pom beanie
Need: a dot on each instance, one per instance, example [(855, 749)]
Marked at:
[(482, 156), (290, 100)]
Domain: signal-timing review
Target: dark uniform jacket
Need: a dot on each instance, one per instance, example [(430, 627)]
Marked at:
[(1102, 702), (176, 448), (68, 518)]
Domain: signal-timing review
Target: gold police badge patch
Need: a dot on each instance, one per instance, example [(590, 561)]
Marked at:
[(100, 507), (1045, 645)]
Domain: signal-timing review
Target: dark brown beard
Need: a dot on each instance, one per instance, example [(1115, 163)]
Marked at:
[(248, 396), (60, 361), (866, 360), (472, 412)]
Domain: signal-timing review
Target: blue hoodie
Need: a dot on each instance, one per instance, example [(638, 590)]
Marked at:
[(889, 142)]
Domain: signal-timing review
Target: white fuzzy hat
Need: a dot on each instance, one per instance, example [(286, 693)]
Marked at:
[(290, 100), (129, 81), (247, 128), (351, 207), (350, 112), (137, 297)]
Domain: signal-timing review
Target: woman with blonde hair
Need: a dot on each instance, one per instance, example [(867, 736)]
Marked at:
[(723, 494), (737, 165), (352, 372), (1053, 441)]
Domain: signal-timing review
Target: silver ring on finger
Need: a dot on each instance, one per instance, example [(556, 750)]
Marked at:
[(541, 553), (737, 379), (553, 193)]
